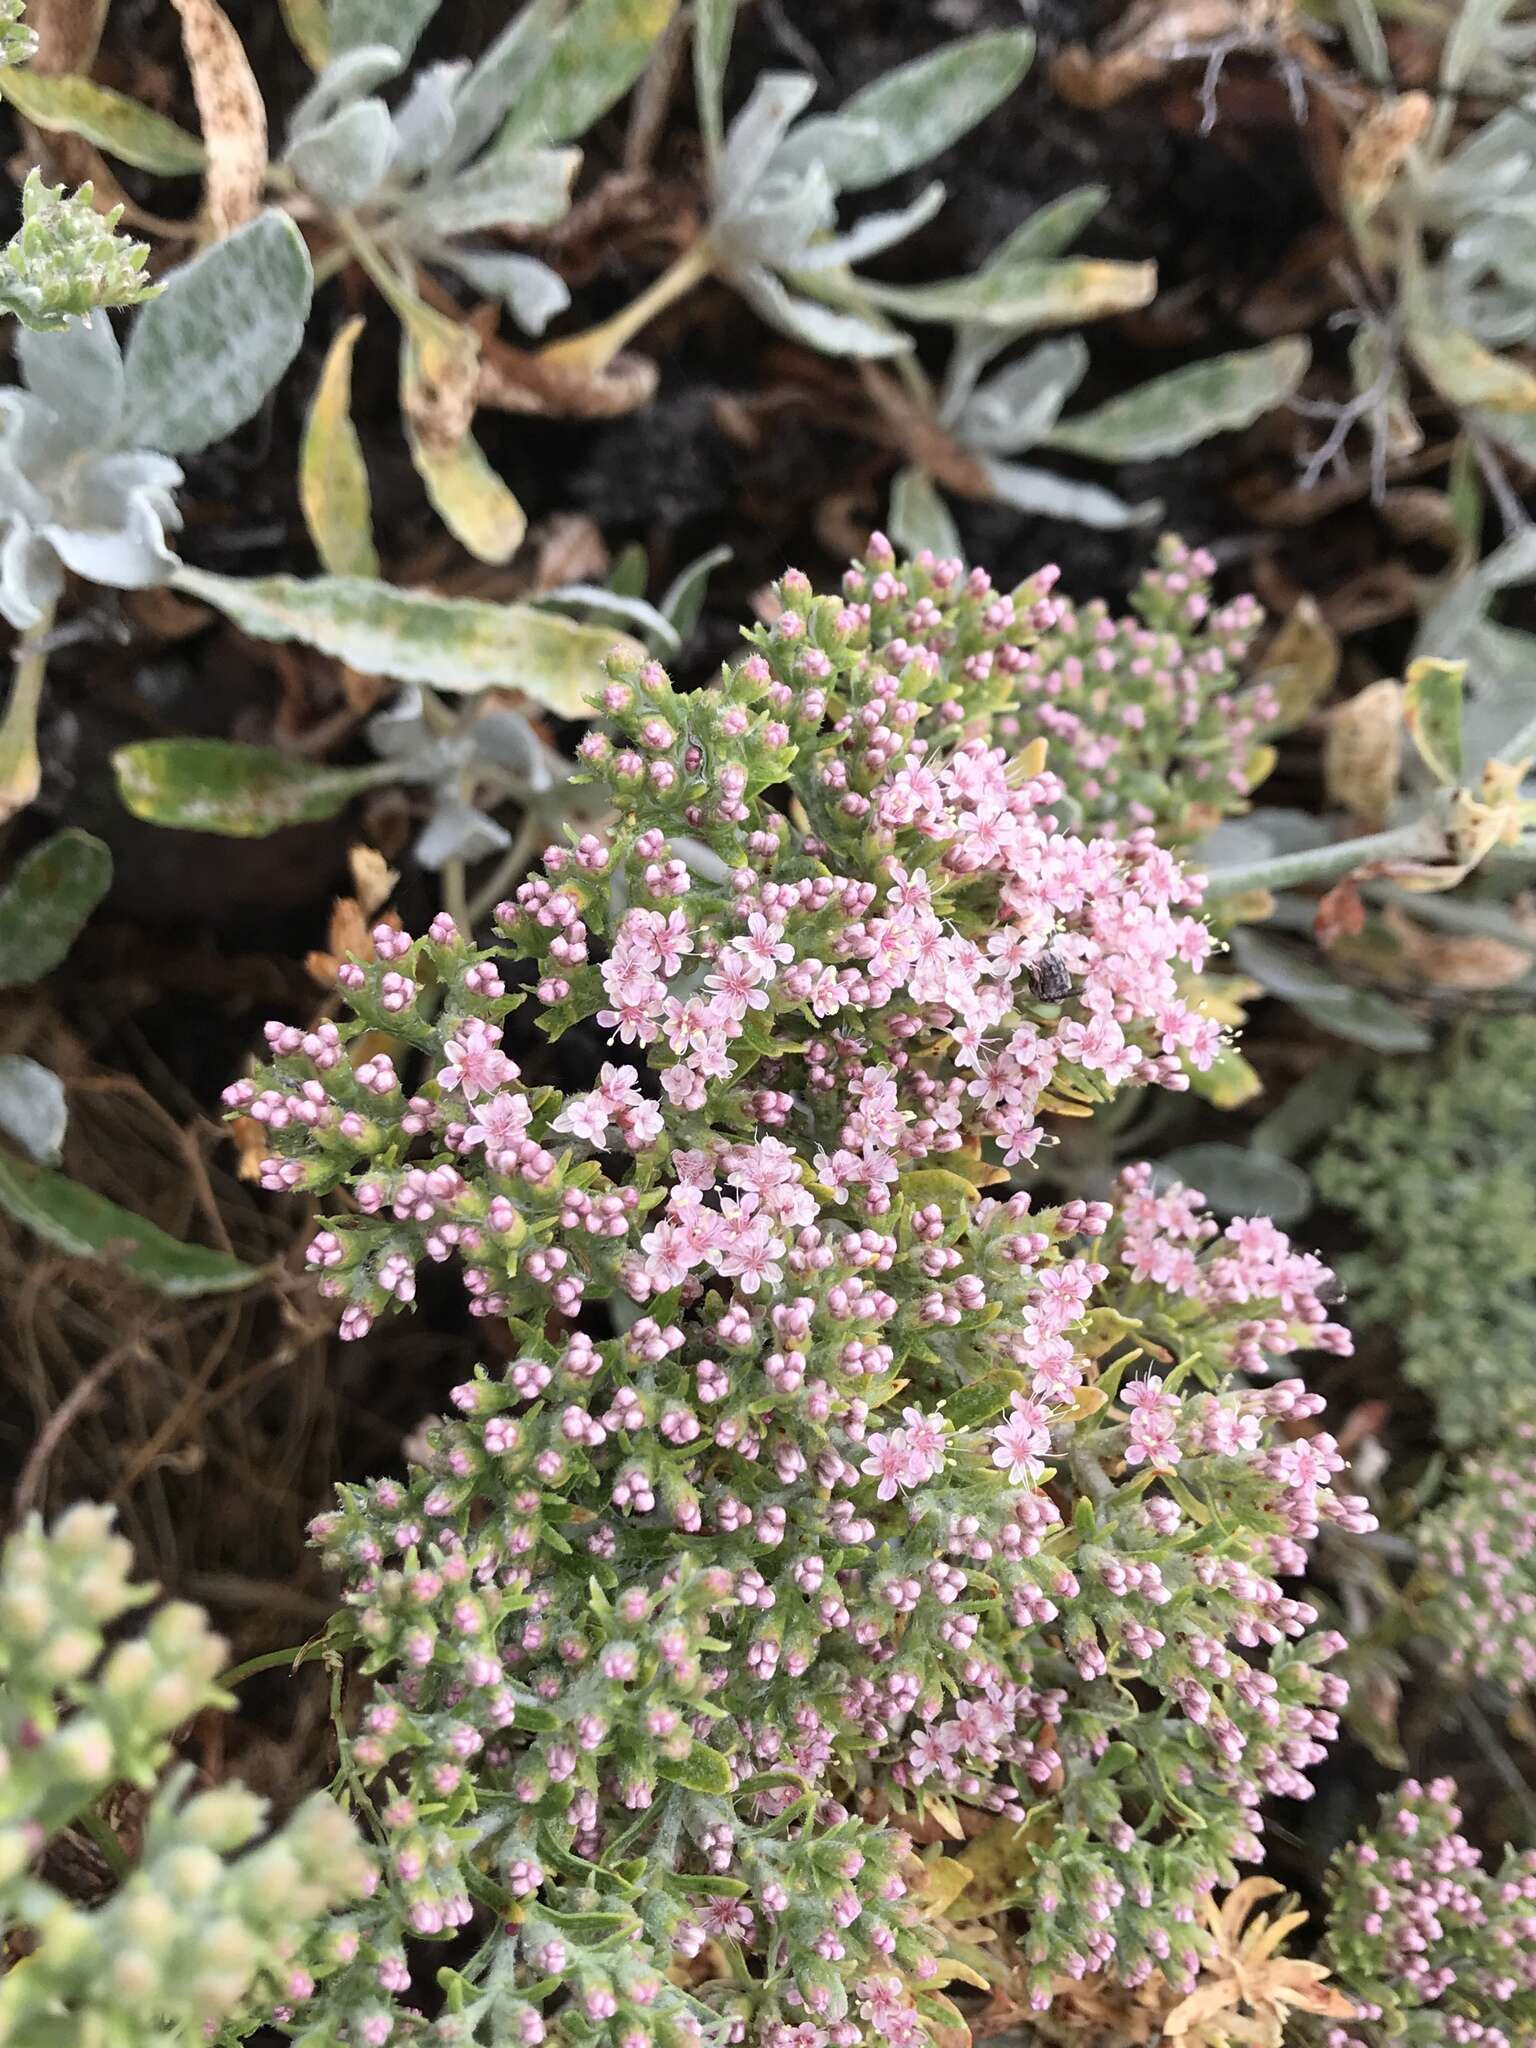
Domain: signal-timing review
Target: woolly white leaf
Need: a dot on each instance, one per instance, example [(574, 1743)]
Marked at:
[(1047, 496), (344, 159), (205, 354), (819, 327), (1019, 406), (33, 1109), (912, 113)]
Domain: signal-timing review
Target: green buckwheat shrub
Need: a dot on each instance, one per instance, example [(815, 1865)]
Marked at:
[(1145, 715), (1450, 1139), (217, 1911), (824, 1492), (1432, 1945), (1478, 1553)]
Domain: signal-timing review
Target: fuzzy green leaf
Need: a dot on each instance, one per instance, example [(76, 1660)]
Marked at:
[(589, 64), (86, 1225), (115, 123), (46, 901), (912, 113), (205, 353), (919, 517), (1022, 296), (455, 644), (701, 1770), (1172, 413), (242, 792)]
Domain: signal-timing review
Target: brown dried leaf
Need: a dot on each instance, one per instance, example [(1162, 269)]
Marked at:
[(1451, 960), (1301, 664), (567, 548), (517, 380), (1377, 150), (1152, 36), (372, 877), (1340, 914), (232, 112), (68, 32), (1363, 751)]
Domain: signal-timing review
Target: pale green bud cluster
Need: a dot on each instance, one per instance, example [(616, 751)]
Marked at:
[(66, 258)]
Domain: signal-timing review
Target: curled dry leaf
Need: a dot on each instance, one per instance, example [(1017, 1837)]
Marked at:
[(1153, 36), (232, 113), (515, 380), (1377, 150), (1363, 751), (1451, 960)]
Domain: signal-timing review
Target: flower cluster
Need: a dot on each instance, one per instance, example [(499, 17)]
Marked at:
[(190, 1933), (1433, 1946), (1434, 1163), (1145, 717), (819, 1494), (1478, 1554)]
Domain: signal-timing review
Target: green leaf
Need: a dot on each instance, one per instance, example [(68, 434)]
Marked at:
[(982, 1398), (399, 23), (1432, 711), (110, 119), (1172, 413), (713, 23), (507, 188), (333, 477), (1044, 293), (590, 62), (1052, 229), (824, 328), (86, 1225), (919, 517), (205, 354), (1019, 406), (241, 792), (683, 599), (309, 30), (1239, 1182), (1361, 1015), (455, 644), (912, 113), (46, 901), (701, 1770)]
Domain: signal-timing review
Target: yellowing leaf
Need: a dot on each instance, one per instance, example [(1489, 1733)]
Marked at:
[(111, 120), (233, 114), (333, 478), (1432, 692), (943, 1881), (437, 400), (1466, 373), (1300, 665), (1362, 752)]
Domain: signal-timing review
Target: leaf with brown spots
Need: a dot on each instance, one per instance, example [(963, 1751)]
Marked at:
[(232, 112)]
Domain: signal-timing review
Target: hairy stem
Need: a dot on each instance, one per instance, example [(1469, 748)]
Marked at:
[(1416, 841), (20, 769), (596, 347)]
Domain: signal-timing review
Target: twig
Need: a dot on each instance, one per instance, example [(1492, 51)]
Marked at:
[(54, 1430)]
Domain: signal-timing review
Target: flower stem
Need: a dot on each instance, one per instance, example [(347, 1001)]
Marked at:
[(595, 348), (1416, 841), (20, 769)]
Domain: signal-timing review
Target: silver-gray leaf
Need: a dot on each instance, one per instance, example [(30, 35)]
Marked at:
[(457, 831), (344, 159), (79, 372), (525, 188), (34, 1112), (1047, 496), (205, 354), (755, 134), (1019, 406), (819, 327)]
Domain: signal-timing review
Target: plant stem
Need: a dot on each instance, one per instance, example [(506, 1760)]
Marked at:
[(513, 864), (595, 348), (1325, 863), (20, 770)]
